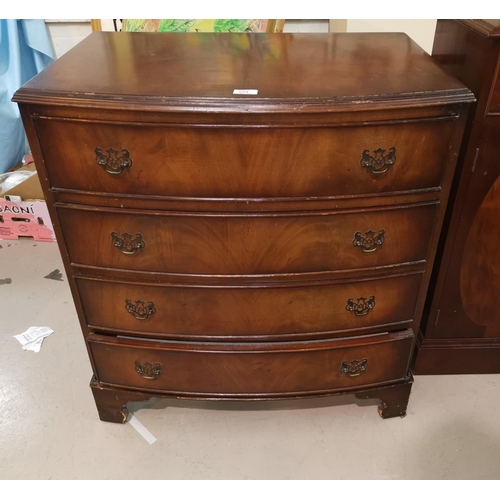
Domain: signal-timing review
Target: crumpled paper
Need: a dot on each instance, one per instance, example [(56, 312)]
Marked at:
[(32, 338)]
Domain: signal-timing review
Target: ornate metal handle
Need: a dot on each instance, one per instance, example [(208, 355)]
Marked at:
[(370, 241), (127, 243), (112, 162), (140, 310), (379, 162), (355, 368), (362, 306), (149, 370)]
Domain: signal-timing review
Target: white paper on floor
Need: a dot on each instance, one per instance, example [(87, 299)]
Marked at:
[(32, 338), (132, 420)]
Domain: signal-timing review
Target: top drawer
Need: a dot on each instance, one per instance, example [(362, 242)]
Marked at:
[(216, 161)]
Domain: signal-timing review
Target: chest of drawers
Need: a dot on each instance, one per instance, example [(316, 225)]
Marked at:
[(262, 245)]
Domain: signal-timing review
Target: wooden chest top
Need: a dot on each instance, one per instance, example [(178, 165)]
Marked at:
[(292, 72)]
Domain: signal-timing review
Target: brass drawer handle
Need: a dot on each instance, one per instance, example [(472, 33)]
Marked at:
[(127, 243), (362, 306), (140, 310), (149, 370), (379, 162), (370, 241), (354, 368), (111, 162)]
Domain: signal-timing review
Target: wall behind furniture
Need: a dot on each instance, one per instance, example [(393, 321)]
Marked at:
[(306, 26), (66, 33), (420, 30)]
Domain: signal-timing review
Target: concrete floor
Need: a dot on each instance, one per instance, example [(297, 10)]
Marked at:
[(49, 426)]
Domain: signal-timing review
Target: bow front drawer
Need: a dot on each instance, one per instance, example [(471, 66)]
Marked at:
[(244, 162), (239, 244), (258, 370), (246, 312)]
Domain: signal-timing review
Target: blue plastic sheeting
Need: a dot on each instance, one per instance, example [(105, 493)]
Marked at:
[(25, 50)]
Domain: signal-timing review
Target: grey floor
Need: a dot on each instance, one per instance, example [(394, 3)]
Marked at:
[(49, 426)]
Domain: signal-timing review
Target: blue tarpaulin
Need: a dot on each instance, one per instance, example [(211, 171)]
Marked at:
[(25, 50)]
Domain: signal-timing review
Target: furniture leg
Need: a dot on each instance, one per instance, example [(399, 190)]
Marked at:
[(393, 398), (112, 403)]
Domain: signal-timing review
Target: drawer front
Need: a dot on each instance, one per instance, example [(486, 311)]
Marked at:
[(244, 162), (251, 369), (247, 244), (246, 312)]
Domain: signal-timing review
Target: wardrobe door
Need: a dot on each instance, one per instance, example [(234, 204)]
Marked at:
[(469, 305)]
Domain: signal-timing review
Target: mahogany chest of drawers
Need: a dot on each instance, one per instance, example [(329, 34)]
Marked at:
[(246, 216)]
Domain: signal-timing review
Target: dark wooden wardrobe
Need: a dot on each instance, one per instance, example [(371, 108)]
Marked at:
[(460, 331)]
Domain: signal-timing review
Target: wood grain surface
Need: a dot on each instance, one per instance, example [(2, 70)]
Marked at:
[(239, 244)]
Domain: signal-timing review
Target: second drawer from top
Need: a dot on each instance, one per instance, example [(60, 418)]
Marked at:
[(247, 244)]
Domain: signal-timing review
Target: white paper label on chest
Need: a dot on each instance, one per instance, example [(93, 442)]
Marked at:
[(245, 91)]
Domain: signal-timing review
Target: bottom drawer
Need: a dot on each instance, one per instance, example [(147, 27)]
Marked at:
[(198, 369)]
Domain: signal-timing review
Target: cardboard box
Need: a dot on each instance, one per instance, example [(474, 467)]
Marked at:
[(23, 211)]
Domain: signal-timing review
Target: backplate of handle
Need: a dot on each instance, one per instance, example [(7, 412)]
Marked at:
[(148, 370), (379, 162), (127, 243), (139, 309), (362, 306), (370, 242), (112, 160), (354, 368)]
